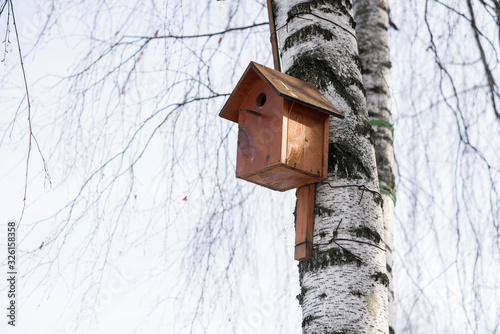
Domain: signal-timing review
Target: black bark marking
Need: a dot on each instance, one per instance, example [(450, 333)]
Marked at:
[(274, 8), (357, 61), (385, 175), (357, 293), (382, 277), (364, 129), (308, 319), (306, 8), (378, 90), (295, 215), (387, 139), (367, 233), (322, 211), (342, 7), (330, 257), (377, 113), (386, 64), (346, 164), (365, 71), (378, 200), (371, 48), (312, 68), (300, 296), (304, 34)]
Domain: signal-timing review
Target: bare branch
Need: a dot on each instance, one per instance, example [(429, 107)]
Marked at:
[(491, 81), (198, 35), (31, 134)]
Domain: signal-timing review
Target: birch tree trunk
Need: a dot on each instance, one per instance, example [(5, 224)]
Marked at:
[(344, 285), (372, 23)]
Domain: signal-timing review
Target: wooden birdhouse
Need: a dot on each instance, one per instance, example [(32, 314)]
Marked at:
[(282, 129)]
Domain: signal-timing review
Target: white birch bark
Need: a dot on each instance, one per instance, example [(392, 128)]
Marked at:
[(344, 285), (372, 23)]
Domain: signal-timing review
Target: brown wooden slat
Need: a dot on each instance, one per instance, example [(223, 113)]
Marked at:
[(274, 37), (304, 222)]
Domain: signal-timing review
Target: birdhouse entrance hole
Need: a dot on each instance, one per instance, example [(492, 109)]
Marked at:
[(261, 100)]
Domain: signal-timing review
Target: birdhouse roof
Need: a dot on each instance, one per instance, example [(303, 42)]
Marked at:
[(285, 86)]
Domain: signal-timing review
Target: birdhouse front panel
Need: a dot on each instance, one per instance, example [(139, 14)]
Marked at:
[(260, 123)]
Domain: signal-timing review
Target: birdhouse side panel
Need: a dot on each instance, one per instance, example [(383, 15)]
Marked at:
[(260, 126), (307, 137)]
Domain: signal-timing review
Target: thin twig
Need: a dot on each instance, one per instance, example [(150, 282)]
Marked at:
[(15, 116), (6, 40), (31, 135), (491, 81), (198, 36)]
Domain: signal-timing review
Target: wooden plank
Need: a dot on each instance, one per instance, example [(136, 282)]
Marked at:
[(304, 222), (284, 135), (274, 37), (326, 145), (305, 148)]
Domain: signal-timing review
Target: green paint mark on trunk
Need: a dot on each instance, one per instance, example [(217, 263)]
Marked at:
[(372, 304)]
